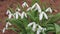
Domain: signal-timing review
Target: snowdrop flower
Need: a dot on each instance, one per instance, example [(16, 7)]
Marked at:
[(23, 14), (43, 29), (9, 14), (7, 24), (3, 30), (42, 14), (16, 15), (29, 25), (49, 9), (34, 26), (24, 4), (17, 12), (20, 14), (37, 7), (6, 27), (39, 29)]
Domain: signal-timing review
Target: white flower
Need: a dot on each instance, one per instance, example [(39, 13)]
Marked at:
[(17, 12), (23, 14), (29, 25), (42, 14), (25, 4), (3, 30), (9, 14), (39, 29), (8, 24), (37, 7), (49, 9), (34, 26), (6, 27), (16, 15)]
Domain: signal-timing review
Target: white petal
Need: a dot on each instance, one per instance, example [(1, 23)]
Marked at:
[(9, 16), (34, 27), (3, 30), (8, 12), (38, 31), (45, 15), (7, 24), (20, 14), (38, 7), (16, 15), (39, 10), (27, 5), (39, 27), (49, 9), (30, 24), (44, 28), (41, 16), (24, 4), (23, 14), (33, 6)]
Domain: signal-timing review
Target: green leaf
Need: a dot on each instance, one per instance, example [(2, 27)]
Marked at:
[(54, 18), (19, 25), (57, 27), (43, 32)]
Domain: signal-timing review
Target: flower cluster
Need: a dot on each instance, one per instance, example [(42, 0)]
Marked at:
[(39, 29), (23, 14), (36, 6)]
